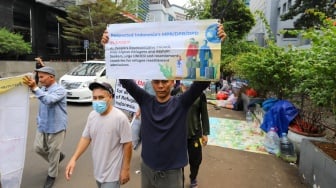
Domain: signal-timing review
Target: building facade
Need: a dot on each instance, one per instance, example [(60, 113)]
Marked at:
[(273, 11), (37, 22), (162, 10)]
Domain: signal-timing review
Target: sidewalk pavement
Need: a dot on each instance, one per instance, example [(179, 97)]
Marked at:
[(220, 168), (224, 167)]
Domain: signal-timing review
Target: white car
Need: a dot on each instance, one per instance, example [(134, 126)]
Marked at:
[(77, 81)]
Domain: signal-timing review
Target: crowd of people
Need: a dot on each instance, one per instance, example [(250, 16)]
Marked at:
[(166, 142)]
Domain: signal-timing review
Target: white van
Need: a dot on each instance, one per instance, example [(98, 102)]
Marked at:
[(77, 81)]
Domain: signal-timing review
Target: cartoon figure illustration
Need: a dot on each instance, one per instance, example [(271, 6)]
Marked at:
[(191, 54), (205, 55), (179, 67)]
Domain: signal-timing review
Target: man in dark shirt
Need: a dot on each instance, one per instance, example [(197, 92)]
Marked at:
[(163, 131)]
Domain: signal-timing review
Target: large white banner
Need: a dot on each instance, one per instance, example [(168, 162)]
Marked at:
[(14, 110), (164, 50)]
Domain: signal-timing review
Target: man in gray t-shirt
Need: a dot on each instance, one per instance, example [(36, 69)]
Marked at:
[(109, 133)]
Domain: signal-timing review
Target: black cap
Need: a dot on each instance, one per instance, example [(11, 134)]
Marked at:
[(102, 85)]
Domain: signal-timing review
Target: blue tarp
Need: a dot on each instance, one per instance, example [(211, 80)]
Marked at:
[(279, 116)]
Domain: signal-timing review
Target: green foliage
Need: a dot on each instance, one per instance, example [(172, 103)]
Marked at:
[(306, 9), (231, 50), (13, 43), (289, 73), (268, 70), (199, 9), (318, 68), (238, 19), (88, 22)]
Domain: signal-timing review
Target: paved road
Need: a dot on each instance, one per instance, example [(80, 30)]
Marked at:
[(221, 167)]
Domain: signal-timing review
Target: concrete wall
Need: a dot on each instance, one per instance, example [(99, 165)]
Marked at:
[(15, 68)]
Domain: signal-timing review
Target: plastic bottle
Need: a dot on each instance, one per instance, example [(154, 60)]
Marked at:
[(272, 142), (287, 149), (249, 118)]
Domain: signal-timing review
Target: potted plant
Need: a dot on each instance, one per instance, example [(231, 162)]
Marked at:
[(308, 124), (315, 68)]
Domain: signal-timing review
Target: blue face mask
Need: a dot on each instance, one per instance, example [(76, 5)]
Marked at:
[(99, 106)]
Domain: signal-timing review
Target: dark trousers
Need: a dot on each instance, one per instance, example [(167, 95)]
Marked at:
[(195, 156), (161, 179)]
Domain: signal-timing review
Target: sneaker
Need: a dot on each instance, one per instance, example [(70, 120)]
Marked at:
[(49, 182), (193, 183), (62, 156)]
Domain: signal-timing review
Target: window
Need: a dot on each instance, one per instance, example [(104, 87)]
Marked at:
[(170, 17), (289, 3), (53, 38), (284, 8), (21, 21), (288, 35)]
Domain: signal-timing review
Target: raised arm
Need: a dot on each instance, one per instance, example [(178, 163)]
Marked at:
[(196, 89), (133, 89)]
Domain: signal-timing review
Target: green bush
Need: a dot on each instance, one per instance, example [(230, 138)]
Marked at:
[(12, 43)]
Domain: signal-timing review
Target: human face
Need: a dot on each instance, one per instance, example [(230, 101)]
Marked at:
[(162, 89), (46, 79), (100, 94)]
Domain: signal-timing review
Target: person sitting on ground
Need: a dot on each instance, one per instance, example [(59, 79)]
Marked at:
[(231, 101)]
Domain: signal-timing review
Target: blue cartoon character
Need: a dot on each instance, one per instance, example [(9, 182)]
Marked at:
[(205, 55)]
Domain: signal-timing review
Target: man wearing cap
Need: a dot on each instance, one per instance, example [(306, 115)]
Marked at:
[(109, 132), (51, 119), (198, 130)]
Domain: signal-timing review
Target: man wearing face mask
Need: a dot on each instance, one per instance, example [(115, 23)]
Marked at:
[(109, 132)]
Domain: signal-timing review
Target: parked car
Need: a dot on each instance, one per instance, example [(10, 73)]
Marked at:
[(77, 81)]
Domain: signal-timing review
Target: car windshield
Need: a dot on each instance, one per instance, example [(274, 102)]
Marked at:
[(87, 69)]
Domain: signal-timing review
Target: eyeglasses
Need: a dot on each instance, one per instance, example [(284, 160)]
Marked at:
[(158, 81)]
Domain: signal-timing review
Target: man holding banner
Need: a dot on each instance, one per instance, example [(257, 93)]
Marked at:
[(164, 132), (51, 120)]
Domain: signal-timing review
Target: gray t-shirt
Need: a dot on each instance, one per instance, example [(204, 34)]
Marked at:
[(107, 134)]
